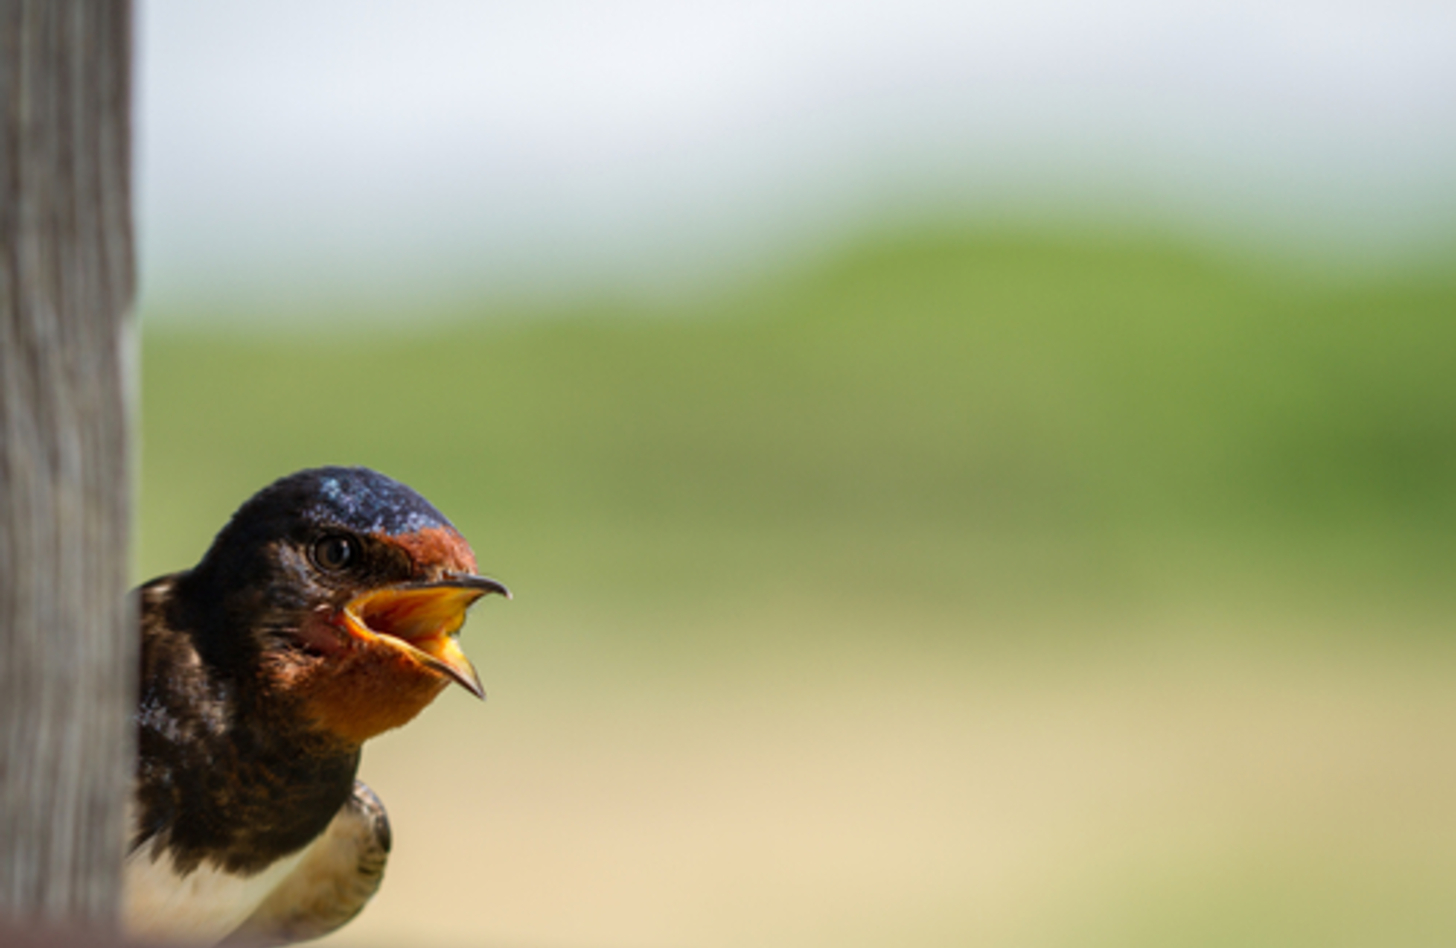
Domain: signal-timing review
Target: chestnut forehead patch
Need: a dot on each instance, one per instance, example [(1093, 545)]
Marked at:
[(435, 546)]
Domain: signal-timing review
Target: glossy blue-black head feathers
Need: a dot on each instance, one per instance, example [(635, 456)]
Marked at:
[(351, 498)]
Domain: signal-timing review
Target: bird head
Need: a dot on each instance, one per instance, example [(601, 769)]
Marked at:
[(344, 591)]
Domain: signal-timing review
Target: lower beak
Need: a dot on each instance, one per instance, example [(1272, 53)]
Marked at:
[(424, 619)]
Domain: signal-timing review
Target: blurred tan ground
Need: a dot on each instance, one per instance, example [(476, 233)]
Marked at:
[(1189, 795)]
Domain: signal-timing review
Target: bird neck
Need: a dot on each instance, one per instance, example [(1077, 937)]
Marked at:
[(241, 795), (228, 774)]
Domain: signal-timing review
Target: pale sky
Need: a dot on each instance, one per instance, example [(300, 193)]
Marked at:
[(388, 151)]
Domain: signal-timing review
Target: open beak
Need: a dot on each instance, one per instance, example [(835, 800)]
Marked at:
[(424, 619)]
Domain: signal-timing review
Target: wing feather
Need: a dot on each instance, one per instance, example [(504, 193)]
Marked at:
[(338, 876)]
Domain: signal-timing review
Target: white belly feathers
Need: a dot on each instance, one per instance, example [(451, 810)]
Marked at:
[(200, 908)]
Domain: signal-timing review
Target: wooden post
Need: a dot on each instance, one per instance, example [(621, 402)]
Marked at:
[(67, 633)]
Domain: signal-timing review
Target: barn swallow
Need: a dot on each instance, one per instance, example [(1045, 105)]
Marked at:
[(325, 612)]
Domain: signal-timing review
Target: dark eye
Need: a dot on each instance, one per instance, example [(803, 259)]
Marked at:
[(333, 552)]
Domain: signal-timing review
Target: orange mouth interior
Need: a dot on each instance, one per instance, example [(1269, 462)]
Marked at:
[(423, 621)]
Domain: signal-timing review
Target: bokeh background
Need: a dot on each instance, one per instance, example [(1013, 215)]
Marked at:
[(970, 474)]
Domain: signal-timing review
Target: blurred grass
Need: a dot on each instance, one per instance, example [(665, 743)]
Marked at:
[(952, 419), (968, 587)]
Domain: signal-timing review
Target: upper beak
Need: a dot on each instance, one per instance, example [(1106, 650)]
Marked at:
[(424, 618)]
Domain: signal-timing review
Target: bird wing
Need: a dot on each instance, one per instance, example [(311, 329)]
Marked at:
[(339, 874)]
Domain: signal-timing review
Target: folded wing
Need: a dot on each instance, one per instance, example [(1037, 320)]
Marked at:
[(337, 877)]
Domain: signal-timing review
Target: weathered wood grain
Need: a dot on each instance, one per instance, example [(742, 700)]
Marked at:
[(67, 636)]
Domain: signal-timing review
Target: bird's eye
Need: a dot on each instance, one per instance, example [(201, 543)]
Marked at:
[(333, 552)]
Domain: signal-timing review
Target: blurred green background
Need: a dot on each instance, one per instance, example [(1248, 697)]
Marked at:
[(971, 474), (967, 584)]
